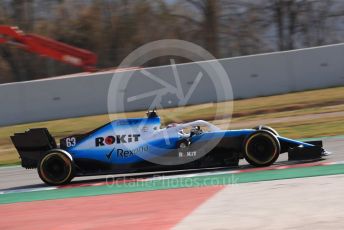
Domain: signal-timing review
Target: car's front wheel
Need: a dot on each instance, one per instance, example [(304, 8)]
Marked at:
[(261, 148), (56, 168), (267, 128)]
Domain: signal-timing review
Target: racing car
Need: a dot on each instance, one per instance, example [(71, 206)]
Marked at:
[(142, 145)]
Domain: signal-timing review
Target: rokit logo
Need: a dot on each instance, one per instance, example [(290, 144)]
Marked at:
[(118, 139)]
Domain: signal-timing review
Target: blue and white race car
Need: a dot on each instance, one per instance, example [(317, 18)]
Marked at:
[(141, 145)]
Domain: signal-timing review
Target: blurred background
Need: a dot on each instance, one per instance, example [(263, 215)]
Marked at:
[(114, 28)]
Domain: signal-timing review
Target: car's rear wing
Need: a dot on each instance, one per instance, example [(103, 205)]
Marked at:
[(32, 145)]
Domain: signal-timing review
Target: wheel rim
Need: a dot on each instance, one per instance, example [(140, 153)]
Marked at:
[(55, 169), (261, 148)]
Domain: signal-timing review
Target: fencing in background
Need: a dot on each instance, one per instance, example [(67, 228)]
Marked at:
[(251, 76)]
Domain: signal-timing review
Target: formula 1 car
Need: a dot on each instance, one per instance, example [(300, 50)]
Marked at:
[(141, 145)]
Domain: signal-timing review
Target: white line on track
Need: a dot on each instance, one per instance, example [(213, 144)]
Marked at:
[(27, 190), (10, 167)]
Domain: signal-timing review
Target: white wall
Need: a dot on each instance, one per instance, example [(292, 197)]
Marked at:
[(250, 76)]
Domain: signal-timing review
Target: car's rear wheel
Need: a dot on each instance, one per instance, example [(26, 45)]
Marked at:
[(56, 168), (261, 148)]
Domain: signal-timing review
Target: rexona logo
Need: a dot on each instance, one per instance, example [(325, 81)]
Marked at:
[(128, 153), (117, 139)]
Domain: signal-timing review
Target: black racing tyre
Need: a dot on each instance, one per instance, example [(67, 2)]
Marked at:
[(261, 148), (56, 168), (267, 128)]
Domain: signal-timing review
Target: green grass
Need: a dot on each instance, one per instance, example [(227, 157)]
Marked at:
[(270, 107), (312, 128)]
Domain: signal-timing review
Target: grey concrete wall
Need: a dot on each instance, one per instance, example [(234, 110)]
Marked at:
[(250, 76)]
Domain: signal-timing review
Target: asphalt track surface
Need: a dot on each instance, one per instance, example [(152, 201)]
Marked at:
[(16, 177)]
